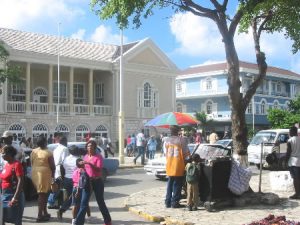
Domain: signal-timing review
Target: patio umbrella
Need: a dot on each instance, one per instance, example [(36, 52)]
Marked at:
[(172, 118)]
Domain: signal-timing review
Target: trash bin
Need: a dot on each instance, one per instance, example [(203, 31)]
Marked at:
[(214, 179)]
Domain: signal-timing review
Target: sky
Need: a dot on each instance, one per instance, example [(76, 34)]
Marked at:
[(186, 39)]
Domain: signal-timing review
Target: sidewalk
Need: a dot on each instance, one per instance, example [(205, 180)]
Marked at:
[(150, 205)]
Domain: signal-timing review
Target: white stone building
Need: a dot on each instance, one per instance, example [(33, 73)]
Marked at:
[(89, 81)]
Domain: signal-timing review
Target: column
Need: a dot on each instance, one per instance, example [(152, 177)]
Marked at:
[(270, 87), (91, 91), (72, 91), (50, 89), (27, 98)]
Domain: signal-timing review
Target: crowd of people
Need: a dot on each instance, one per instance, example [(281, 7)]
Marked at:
[(62, 178)]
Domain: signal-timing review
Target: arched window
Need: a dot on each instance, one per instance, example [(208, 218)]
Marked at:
[(63, 129), (276, 105), (40, 95), (208, 84), (81, 132), (18, 131), (37, 130), (209, 107), (147, 95), (100, 130), (250, 108)]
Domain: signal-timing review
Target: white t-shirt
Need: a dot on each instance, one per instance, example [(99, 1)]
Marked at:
[(139, 139), (295, 154), (59, 155), (70, 165)]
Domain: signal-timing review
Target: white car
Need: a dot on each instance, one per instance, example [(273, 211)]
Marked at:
[(157, 166)]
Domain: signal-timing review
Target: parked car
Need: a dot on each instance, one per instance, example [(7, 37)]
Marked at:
[(157, 166), (110, 165)]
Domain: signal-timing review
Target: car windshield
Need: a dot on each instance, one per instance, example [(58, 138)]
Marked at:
[(223, 142), (267, 137)]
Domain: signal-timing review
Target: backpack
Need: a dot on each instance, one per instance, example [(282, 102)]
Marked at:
[(192, 174), (84, 180)]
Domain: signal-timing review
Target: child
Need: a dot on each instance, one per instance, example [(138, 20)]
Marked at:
[(81, 189), (192, 179)]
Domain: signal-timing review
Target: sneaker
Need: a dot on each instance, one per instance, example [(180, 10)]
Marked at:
[(176, 205), (195, 208), (73, 221), (189, 207)]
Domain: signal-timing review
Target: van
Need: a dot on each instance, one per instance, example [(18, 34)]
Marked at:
[(274, 141)]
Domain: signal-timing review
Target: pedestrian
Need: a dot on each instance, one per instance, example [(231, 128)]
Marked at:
[(293, 160), (8, 139), (151, 146), (50, 139), (106, 145), (213, 137), (198, 138), (140, 144), (13, 199), (42, 175), (81, 189), (177, 152), (128, 146), (133, 144), (192, 180), (29, 143), (70, 166), (93, 164), (59, 155)]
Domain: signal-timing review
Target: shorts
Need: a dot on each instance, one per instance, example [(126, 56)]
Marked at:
[(295, 172)]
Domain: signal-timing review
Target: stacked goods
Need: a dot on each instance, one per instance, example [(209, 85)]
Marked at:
[(272, 220)]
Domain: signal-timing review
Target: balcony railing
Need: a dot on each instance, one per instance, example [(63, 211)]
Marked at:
[(64, 109)]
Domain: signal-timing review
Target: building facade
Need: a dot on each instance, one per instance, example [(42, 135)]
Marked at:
[(204, 89), (73, 86)]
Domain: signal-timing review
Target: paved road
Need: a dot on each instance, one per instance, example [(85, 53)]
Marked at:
[(117, 189)]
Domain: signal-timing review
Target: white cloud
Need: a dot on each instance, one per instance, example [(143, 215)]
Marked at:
[(103, 34), (79, 34), (196, 36), (199, 37), (19, 13)]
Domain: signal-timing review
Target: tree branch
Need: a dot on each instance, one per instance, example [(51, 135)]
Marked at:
[(262, 26)]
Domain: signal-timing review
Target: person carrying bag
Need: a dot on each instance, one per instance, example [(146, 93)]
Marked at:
[(13, 198)]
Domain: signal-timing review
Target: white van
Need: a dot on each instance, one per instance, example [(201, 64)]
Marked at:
[(274, 140)]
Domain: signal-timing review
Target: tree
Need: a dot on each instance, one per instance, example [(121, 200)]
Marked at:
[(7, 71), (261, 15), (204, 122), (280, 118)]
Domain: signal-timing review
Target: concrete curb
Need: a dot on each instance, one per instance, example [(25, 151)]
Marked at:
[(158, 219), (125, 166)]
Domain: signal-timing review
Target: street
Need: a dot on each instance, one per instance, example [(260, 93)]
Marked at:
[(117, 188)]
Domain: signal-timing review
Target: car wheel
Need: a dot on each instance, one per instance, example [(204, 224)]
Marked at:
[(104, 174)]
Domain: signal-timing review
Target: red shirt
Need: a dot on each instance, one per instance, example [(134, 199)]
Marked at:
[(6, 174)]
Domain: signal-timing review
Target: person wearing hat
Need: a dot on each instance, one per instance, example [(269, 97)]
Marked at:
[(7, 139), (177, 153)]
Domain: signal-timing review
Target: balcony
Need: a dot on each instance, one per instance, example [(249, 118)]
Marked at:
[(64, 109)]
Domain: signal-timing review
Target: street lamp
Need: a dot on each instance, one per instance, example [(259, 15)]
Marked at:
[(121, 113)]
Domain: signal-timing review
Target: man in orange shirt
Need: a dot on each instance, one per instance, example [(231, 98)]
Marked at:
[(177, 152)]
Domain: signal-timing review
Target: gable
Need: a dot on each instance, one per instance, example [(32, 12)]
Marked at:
[(147, 57)]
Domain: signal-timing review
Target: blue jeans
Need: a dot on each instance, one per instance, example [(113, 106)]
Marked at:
[(83, 198), (17, 210), (174, 187), (141, 152), (68, 185), (52, 198), (151, 154)]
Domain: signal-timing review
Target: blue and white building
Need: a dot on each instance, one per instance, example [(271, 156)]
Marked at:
[(204, 89)]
